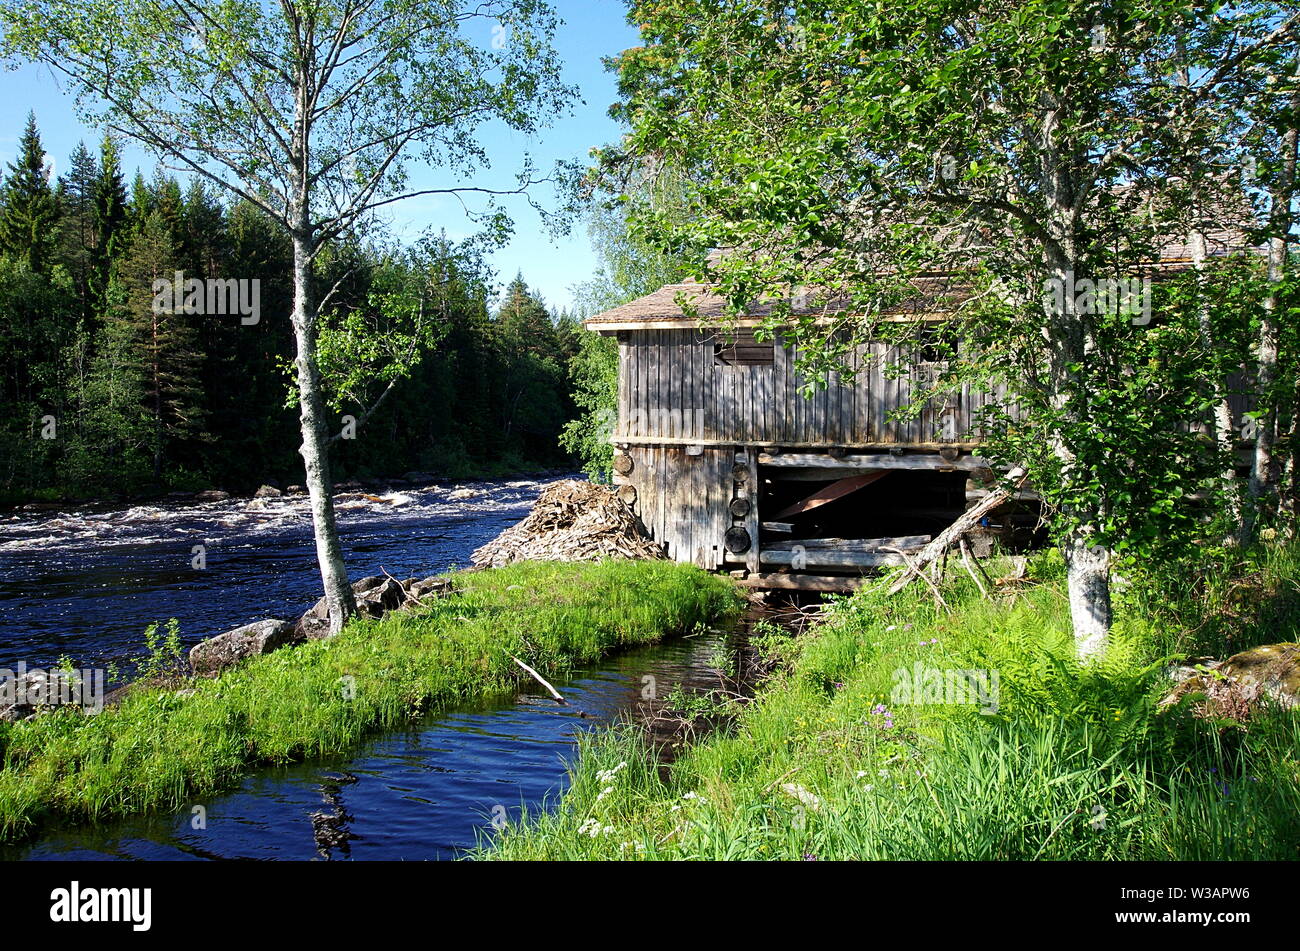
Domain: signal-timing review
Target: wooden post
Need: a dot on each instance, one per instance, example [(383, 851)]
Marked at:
[(751, 517)]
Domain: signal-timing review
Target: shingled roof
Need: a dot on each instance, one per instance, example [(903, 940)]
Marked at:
[(937, 295)]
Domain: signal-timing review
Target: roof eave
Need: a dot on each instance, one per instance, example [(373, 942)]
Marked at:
[(717, 323)]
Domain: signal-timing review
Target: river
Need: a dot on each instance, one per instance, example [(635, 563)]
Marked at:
[(85, 583)]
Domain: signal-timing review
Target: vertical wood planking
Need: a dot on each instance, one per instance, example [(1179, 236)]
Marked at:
[(670, 388), (780, 398), (641, 398), (690, 425)]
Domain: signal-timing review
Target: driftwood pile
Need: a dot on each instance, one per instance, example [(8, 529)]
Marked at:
[(571, 521)]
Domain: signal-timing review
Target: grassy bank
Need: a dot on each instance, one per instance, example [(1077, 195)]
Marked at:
[(830, 762), (161, 749)]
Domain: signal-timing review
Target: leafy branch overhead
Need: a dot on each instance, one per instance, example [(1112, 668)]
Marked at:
[(865, 168)]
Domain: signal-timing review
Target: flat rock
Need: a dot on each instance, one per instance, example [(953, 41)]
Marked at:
[(1272, 670), (267, 492), (435, 586), (311, 628), (211, 656), (211, 495)]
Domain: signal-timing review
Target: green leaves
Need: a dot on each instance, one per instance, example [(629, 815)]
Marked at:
[(1009, 145)]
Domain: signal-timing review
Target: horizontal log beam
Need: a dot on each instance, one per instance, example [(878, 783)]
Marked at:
[(807, 460), (780, 582), (830, 558), (669, 442), (1024, 495), (850, 544)]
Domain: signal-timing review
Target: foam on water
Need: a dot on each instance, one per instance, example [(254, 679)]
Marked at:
[(87, 582)]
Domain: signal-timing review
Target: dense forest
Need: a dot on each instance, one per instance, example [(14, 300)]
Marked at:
[(104, 392)]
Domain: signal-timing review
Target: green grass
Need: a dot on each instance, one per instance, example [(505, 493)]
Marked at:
[(159, 749), (1076, 763)]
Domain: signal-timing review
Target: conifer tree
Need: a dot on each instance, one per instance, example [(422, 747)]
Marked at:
[(30, 213)]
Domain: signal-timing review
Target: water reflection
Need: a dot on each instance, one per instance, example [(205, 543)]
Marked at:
[(428, 793)]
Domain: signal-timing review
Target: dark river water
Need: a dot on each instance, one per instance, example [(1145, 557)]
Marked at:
[(86, 583)]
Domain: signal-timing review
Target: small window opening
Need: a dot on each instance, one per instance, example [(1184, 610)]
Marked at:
[(743, 351)]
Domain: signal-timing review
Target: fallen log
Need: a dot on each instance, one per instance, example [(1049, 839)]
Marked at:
[(935, 550)]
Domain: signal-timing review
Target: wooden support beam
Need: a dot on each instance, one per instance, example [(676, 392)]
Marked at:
[(850, 544), (780, 582), (807, 460), (1024, 495), (836, 490), (751, 517), (829, 558)]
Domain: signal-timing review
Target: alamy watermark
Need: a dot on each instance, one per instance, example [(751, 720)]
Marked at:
[(935, 685), (78, 903), (1124, 296), (212, 297), (56, 687)]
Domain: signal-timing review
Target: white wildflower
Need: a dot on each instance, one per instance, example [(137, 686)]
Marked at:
[(608, 775)]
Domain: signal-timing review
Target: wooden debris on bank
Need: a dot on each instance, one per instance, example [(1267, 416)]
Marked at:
[(571, 521), (555, 694)]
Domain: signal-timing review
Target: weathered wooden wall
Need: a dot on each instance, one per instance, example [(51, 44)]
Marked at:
[(682, 499), (671, 390)]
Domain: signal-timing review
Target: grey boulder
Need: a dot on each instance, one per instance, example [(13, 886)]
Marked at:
[(216, 654)]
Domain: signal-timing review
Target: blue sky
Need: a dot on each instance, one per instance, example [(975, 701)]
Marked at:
[(591, 29)]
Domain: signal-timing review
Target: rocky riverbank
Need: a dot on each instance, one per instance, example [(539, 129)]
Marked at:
[(272, 488)]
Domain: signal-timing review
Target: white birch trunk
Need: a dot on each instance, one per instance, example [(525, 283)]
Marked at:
[(1088, 583), (311, 404), (1223, 431), (315, 445), (1262, 483), (1070, 342)]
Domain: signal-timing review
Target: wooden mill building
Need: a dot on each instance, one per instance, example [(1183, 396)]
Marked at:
[(731, 468)]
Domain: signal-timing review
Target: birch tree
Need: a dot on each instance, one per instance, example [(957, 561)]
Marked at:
[(1273, 103), (312, 111)]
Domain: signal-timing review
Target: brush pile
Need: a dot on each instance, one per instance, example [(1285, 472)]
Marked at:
[(571, 521)]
